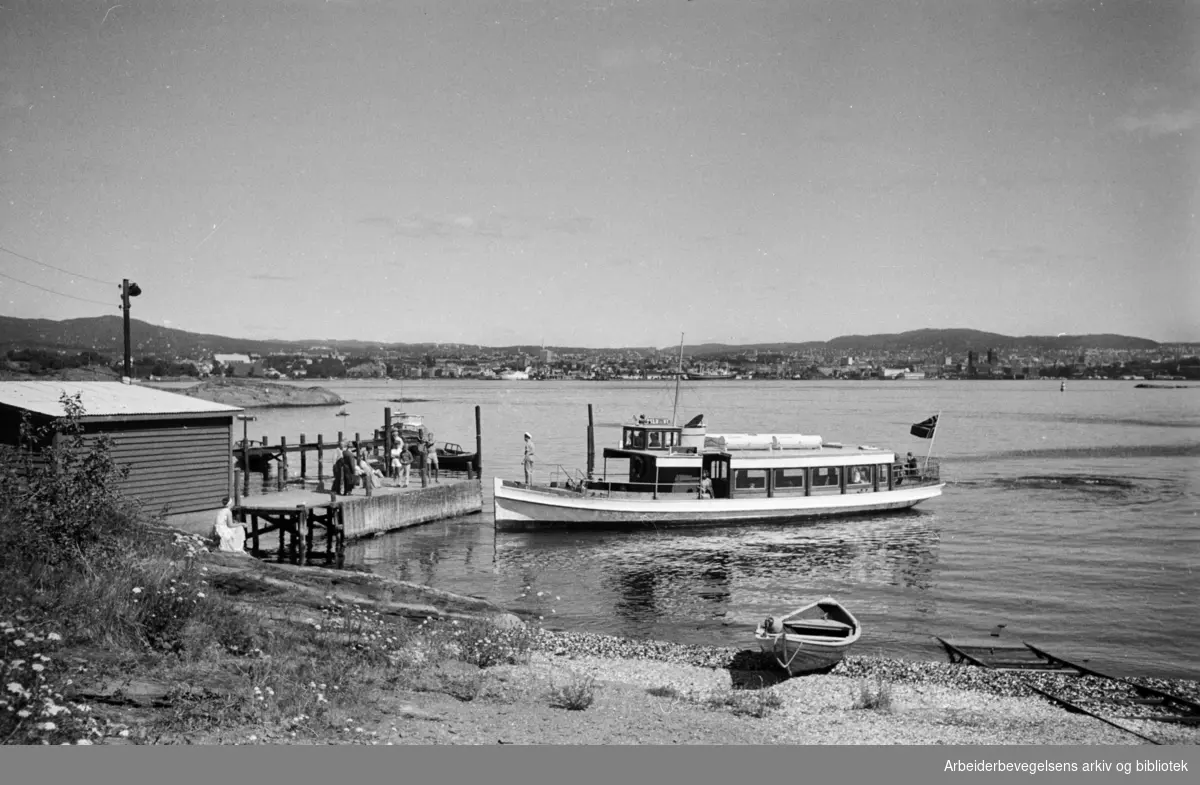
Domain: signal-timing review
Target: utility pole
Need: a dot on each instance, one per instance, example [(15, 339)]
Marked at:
[(128, 290)]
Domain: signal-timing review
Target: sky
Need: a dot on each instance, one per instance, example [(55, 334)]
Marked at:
[(590, 173)]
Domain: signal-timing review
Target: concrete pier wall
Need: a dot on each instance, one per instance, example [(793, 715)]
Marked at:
[(365, 516)]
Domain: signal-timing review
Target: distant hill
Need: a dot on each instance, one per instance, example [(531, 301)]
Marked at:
[(105, 334), (956, 341)]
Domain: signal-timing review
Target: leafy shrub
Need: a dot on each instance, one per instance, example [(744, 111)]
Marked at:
[(664, 692), (58, 493)]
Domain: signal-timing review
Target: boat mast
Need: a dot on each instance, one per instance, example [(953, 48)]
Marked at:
[(678, 376)]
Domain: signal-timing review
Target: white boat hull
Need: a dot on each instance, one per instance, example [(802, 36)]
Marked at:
[(518, 508), (798, 655)]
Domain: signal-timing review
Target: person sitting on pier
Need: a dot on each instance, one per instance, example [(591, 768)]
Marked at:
[(370, 475), (229, 535)]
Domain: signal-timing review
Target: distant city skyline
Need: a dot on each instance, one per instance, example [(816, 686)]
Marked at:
[(603, 174)]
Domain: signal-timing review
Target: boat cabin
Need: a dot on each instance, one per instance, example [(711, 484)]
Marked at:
[(664, 458)]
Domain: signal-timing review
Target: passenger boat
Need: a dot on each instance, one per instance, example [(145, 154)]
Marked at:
[(812, 638), (754, 477)]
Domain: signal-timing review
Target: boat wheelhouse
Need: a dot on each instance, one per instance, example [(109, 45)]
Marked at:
[(769, 477)]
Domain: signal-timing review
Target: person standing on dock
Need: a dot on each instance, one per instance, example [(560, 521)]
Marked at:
[(527, 461), (349, 467), (423, 462), (431, 456), (406, 462)]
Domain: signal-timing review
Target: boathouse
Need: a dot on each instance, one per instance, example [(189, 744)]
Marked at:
[(177, 447)]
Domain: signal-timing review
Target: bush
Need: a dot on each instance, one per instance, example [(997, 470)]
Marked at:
[(875, 696), (576, 695), (62, 506), (480, 642)]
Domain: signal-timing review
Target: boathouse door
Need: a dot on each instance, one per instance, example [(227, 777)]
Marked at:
[(717, 467)]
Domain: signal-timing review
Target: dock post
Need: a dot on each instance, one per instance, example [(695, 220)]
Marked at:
[(254, 532), (320, 464), (306, 531), (591, 443), (246, 470), (303, 533), (303, 462), (237, 487), (281, 477), (341, 537), (387, 440), (478, 443)]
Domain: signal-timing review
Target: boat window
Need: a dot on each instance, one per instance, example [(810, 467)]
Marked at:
[(675, 476), (827, 477), (655, 441), (859, 475), (750, 479), (789, 480), (635, 439)]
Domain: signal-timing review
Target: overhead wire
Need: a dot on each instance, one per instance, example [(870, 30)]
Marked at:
[(51, 291), (52, 267)]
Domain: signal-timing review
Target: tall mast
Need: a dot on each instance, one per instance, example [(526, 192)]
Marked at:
[(678, 376)]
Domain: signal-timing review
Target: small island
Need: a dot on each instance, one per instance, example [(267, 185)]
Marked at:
[(250, 393)]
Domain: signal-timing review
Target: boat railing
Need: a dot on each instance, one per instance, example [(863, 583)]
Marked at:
[(926, 472)]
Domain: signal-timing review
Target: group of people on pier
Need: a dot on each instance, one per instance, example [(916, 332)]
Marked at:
[(353, 466)]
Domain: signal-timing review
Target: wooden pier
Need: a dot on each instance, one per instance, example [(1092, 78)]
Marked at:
[(305, 523), (256, 457)]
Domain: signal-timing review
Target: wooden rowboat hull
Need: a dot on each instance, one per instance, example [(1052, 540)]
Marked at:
[(812, 638)]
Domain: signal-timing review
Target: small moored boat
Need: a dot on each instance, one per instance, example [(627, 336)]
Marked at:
[(812, 638)]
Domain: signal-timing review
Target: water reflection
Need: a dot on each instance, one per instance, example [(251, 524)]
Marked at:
[(686, 580)]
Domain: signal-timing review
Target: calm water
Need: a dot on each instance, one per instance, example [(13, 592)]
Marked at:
[(1072, 517)]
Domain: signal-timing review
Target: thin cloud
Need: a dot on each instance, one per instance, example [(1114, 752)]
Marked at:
[(270, 277), (1161, 123), (492, 225)]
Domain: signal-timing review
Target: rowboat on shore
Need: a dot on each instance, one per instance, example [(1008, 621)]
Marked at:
[(812, 638), (682, 475)]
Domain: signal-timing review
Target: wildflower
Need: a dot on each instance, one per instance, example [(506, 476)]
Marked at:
[(37, 666), (47, 726), (14, 687), (137, 589), (53, 636), (200, 594), (18, 642), (541, 593), (23, 713)]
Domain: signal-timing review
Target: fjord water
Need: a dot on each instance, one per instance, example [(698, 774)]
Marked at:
[(1072, 518)]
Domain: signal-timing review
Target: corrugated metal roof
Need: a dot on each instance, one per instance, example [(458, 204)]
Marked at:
[(104, 399)]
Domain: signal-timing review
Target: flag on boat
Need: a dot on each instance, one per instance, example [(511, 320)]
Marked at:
[(925, 428)]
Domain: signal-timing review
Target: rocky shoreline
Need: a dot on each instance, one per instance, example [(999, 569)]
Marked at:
[(250, 393)]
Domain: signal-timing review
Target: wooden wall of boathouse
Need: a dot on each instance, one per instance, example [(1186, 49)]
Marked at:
[(177, 448), (182, 465)]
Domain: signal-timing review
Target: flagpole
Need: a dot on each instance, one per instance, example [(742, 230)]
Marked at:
[(933, 436)]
